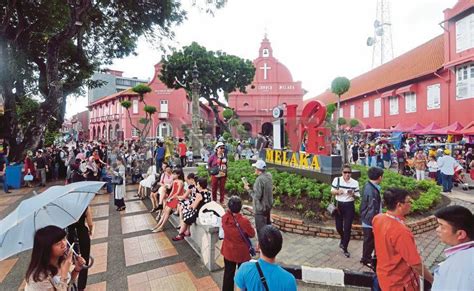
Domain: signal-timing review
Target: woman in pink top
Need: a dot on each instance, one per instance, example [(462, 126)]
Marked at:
[(166, 179)]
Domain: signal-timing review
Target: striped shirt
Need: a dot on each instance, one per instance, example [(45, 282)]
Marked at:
[(340, 183)]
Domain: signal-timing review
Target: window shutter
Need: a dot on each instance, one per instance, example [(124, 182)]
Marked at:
[(433, 96), (462, 34), (352, 111)]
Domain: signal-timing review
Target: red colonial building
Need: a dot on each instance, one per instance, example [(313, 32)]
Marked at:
[(272, 86), (109, 121), (431, 83)]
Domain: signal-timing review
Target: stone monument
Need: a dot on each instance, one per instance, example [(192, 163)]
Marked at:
[(196, 135)]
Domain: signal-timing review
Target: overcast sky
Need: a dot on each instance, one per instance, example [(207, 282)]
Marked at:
[(317, 40)]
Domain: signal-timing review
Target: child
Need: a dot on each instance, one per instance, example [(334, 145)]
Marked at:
[(190, 156), (432, 168)]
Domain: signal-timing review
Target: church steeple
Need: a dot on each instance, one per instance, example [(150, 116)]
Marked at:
[(265, 50)]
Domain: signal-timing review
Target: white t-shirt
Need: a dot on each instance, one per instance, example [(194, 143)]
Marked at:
[(432, 166), (351, 184)]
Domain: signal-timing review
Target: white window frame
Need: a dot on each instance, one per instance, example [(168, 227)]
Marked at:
[(135, 132), (394, 106), (433, 96), (352, 111), (366, 109), (377, 107), (465, 33), (465, 81), (341, 112), (135, 106), (410, 102), (118, 107), (164, 105)]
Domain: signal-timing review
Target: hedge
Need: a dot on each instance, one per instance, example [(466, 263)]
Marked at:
[(306, 192)]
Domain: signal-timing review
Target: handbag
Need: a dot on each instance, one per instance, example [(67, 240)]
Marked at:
[(245, 238), (214, 170), (332, 206), (117, 180), (28, 178)]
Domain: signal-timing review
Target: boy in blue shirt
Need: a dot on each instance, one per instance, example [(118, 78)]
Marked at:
[(275, 277)]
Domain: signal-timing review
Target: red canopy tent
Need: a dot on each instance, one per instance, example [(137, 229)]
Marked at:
[(468, 130), (412, 128), (428, 129), (453, 127)]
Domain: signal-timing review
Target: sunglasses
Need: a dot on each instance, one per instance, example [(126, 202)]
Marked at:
[(347, 172)]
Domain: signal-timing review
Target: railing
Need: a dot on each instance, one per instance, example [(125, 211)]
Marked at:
[(163, 115)]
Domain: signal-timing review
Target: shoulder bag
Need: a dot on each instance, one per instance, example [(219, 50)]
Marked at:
[(332, 207), (245, 238), (262, 277)]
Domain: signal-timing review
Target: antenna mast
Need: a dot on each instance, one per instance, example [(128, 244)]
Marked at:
[(381, 42)]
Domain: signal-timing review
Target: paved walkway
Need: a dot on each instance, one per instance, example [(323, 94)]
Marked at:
[(325, 252), (127, 255)]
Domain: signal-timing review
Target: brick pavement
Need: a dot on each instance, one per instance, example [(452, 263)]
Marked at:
[(127, 255)]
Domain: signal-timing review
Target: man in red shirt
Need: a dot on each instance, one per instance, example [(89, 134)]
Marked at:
[(399, 265), (182, 149)]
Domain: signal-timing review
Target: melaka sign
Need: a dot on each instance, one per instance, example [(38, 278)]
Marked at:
[(318, 143)]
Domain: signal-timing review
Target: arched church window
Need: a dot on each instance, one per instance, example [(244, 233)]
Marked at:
[(246, 104)]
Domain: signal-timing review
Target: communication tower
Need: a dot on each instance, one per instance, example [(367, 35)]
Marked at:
[(381, 41)]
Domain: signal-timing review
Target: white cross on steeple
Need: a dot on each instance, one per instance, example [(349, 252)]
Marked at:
[(265, 68)]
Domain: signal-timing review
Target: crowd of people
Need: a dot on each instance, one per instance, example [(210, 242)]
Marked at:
[(389, 246)]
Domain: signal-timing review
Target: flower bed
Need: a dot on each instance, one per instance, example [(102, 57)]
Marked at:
[(309, 198)]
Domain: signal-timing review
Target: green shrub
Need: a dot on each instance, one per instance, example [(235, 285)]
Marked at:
[(425, 193)]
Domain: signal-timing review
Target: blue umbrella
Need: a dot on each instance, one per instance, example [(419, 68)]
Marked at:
[(58, 205)]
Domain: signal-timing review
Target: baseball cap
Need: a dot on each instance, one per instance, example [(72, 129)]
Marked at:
[(260, 164), (218, 145), (447, 152)]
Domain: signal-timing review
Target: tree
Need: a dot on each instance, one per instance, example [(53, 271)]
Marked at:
[(219, 73), (353, 123), (49, 49), (339, 86), (144, 130)]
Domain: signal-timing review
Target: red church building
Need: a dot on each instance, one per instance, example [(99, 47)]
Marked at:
[(431, 83), (272, 86), (109, 121)]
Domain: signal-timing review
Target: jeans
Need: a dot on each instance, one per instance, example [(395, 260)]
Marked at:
[(3, 180), (369, 244), (42, 176), (229, 272), (261, 219), (447, 182), (362, 161), (159, 163), (344, 218), (110, 187), (182, 160)]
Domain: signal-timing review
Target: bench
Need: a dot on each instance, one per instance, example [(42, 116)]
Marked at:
[(205, 242)]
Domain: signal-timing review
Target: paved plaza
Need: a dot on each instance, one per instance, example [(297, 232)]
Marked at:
[(129, 257)]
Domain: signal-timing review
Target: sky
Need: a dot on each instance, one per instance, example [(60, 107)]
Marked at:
[(317, 40)]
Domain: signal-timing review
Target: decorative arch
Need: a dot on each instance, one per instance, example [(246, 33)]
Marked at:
[(267, 129), (111, 133), (93, 133), (104, 132), (164, 129)]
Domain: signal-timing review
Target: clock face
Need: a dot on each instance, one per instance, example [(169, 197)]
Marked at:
[(277, 112)]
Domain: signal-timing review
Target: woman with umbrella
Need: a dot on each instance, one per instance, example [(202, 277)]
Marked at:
[(51, 261), (119, 182)]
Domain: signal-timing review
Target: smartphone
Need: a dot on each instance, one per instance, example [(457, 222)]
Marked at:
[(245, 180)]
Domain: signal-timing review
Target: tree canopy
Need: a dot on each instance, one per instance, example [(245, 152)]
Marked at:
[(49, 49), (340, 85), (218, 72)]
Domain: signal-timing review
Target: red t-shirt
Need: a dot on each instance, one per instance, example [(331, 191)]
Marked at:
[(182, 149), (396, 252)]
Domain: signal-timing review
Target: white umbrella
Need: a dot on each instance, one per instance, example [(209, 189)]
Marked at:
[(58, 205)]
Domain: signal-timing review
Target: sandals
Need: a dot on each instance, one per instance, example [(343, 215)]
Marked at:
[(159, 229), (178, 237)]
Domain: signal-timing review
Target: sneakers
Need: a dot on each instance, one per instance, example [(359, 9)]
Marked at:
[(368, 263)]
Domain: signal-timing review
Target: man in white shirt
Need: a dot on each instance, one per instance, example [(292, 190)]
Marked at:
[(456, 228), (446, 165), (345, 189)]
